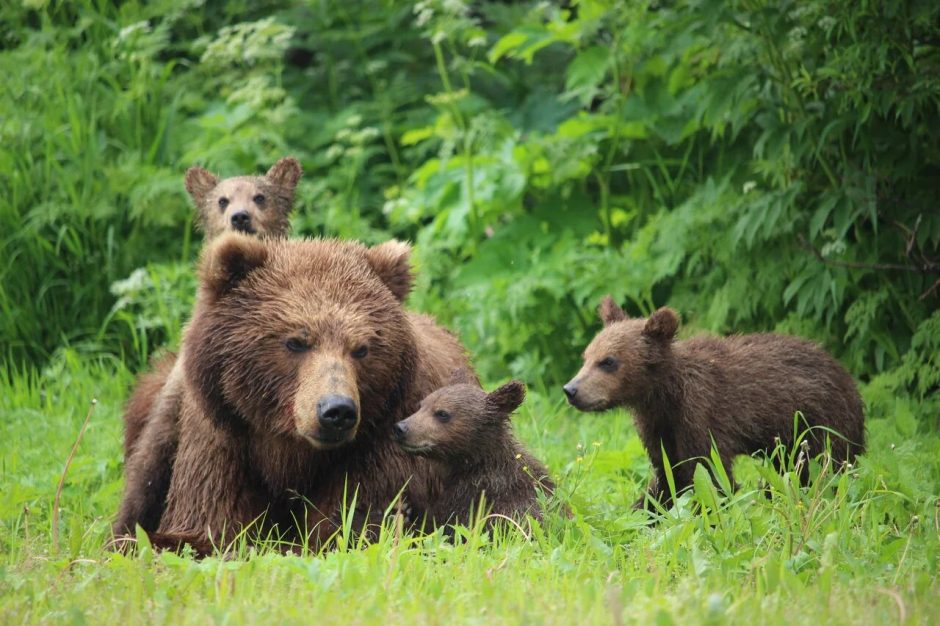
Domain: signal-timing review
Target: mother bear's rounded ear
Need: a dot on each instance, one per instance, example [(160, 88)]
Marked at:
[(391, 261), (229, 260)]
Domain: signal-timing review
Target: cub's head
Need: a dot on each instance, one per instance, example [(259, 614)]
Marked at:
[(302, 338), (459, 420), (255, 205), (620, 364)]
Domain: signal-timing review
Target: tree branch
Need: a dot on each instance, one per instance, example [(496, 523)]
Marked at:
[(926, 268)]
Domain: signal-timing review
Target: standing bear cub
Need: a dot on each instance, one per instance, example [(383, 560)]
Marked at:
[(467, 435), (741, 391)]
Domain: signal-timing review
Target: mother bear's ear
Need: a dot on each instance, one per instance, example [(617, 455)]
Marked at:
[(391, 262), (229, 260)]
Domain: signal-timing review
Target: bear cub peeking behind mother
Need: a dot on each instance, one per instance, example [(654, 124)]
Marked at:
[(299, 360), (741, 392)]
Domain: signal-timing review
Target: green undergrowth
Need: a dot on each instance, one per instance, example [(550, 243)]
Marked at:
[(856, 547)]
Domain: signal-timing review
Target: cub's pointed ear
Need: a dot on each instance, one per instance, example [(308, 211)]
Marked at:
[(286, 172), (610, 312), (199, 182), (229, 260), (463, 376), (391, 261), (662, 324), (506, 399)]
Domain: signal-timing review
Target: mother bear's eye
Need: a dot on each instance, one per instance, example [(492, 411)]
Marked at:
[(296, 345), (442, 415), (608, 364), (360, 352), (223, 202)]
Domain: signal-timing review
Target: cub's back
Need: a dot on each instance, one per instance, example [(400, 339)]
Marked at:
[(765, 378)]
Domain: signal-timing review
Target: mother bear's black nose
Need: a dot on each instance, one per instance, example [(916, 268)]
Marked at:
[(337, 412)]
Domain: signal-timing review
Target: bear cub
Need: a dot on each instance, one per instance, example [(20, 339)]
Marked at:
[(741, 391), (254, 205), (467, 435)]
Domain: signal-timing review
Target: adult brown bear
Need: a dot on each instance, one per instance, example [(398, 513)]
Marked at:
[(300, 359)]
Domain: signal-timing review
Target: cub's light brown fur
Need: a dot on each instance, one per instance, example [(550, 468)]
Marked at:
[(255, 205), (742, 391)]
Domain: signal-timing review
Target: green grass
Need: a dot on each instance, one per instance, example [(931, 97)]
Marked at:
[(853, 548)]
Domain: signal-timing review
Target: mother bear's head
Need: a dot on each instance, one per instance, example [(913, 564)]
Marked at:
[(302, 338)]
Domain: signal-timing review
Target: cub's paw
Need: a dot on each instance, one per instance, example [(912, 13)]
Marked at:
[(176, 542), (122, 543)]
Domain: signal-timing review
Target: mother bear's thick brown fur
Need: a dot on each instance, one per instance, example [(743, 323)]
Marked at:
[(299, 360)]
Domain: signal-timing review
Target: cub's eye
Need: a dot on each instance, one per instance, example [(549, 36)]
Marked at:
[(608, 364), (360, 352), (223, 202), (442, 415), (259, 199), (296, 345)]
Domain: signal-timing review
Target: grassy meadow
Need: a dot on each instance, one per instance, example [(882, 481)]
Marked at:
[(862, 547), (757, 165)]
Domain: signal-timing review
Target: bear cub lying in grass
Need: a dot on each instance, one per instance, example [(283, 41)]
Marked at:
[(741, 391), (467, 435)]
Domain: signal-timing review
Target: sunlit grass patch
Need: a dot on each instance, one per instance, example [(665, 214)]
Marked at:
[(859, 546)]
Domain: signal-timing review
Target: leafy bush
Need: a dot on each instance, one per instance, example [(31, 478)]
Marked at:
[(757, 165)]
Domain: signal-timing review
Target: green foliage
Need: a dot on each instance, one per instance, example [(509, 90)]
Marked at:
[(715, 147), (757, 165)]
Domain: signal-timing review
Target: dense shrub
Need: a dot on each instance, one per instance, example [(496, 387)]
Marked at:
[(758, 165)]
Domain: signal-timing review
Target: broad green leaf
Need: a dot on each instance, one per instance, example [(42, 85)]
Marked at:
[(586, 72)]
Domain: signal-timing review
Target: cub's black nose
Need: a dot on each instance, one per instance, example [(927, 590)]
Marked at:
[(400, 430), (571, 390), (337, 412), (241, 221)]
